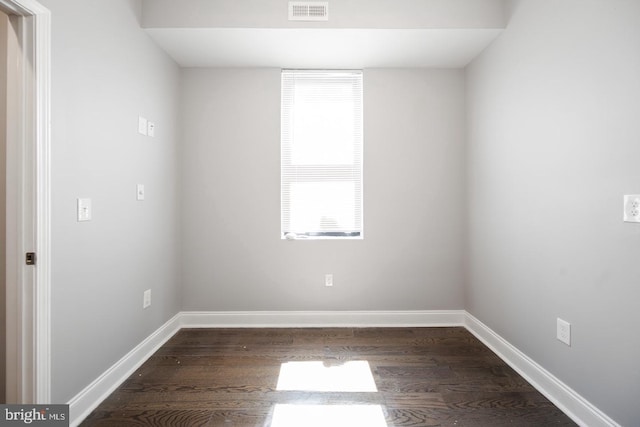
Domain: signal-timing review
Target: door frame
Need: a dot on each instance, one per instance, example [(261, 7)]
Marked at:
[(29, 213)]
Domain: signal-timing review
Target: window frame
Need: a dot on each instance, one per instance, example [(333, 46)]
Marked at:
[(352, 172)]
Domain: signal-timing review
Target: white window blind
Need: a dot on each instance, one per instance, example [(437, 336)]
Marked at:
[(321, 154)]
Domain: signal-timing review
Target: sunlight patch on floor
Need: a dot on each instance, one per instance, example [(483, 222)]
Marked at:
[(352, 376), (328, 415)]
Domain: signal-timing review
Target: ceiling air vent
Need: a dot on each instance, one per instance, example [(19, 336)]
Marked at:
[(308, 11)]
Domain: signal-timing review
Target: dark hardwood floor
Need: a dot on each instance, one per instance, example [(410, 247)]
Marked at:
[(230, 378)]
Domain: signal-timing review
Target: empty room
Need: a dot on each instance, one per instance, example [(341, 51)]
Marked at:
[(375, 213)]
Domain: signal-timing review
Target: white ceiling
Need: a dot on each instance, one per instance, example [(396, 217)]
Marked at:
[(323, 48)]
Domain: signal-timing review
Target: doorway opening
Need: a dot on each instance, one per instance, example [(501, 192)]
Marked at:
[(26, 200)]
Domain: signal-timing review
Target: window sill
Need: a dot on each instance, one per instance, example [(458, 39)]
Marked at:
[(293, 236)]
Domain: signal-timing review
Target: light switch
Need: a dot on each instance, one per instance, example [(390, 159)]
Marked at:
[(142, 126), (84, 209), (140, 192), (151, 129)]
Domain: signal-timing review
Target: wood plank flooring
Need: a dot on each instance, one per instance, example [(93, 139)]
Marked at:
[(229, 378)]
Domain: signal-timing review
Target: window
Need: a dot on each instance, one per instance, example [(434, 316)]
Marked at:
[(321, 154)]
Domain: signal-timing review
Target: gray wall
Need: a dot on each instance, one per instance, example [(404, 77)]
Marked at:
[(411, 256), (554, 143), (105, 73)]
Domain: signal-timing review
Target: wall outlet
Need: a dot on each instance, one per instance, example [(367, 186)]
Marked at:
[(328, 279), (632, 208), (146, 299), (564, 331)]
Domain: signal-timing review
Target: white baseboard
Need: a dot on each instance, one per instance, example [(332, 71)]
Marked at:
[(565, 398), (92, 395), (570, 402), (308, 319)]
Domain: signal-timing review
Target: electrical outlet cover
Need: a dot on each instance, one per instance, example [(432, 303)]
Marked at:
[(564, 331), (632, 208), (328, 279), (146, 299)]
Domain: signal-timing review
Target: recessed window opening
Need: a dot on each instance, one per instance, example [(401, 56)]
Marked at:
[(321, 154)]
